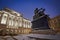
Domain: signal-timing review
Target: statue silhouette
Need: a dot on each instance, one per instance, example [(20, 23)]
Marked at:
[(36, 11)]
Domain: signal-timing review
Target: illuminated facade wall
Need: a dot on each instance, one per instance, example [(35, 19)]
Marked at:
[(54, 23), (14, 22)]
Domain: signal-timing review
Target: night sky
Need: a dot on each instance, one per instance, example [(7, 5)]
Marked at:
[(26, 7)]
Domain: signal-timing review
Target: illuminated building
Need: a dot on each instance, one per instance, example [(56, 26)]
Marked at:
[(13, 22), (54, 23)]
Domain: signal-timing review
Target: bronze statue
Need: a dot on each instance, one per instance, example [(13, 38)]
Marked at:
[(36, 11), (41, 10)]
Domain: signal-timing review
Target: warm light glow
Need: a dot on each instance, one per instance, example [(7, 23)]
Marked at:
[(4, 19), (9, 22), (20, 24), (16, 24), (15, 21)]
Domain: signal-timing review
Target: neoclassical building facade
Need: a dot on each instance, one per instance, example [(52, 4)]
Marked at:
[(14, 22)]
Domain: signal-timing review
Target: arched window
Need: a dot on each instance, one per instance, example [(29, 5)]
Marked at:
[(4, 19)]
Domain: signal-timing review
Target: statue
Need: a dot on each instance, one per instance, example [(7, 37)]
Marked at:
[(41, 11), (36, 11)]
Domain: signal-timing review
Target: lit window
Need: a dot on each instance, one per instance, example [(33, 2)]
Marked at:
[(12, 22), (16, 23), (28, 25), (4, 19), (24, 24), (9, 21), (20, 23)]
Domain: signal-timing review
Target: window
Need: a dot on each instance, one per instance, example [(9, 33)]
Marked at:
[(12, 23), (4, 19), (16, 23), (9, 21), (24, 24), (20, 23), (28, 25)]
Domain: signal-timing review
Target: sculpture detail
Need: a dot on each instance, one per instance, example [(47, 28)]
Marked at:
[(39, 11), (36, 11)]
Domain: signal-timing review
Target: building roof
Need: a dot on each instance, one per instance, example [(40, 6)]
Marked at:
[(14, 12)]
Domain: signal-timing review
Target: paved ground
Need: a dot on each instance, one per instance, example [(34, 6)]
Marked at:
[(26, 37), (19, 37)]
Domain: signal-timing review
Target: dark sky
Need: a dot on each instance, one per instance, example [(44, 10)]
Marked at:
[(27, 6)]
